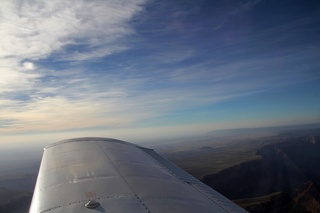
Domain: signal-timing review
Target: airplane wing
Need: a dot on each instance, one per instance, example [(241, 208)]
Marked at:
[(94, 175)]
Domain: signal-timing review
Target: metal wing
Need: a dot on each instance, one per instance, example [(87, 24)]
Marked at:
[(109, 175)]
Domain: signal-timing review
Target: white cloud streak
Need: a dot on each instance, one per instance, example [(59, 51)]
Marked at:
[(245, 7), (37, 98), (34, 29)]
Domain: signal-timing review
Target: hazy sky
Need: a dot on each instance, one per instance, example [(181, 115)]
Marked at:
[(149, 69)]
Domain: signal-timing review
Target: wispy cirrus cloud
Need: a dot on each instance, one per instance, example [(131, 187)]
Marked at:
[(32, 30), (107, 64), (235, 11)]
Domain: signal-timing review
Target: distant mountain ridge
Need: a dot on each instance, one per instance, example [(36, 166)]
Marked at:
[(267, 131), (289, 168)]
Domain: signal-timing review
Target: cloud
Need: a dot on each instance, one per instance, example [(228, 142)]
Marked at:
[(51, 80), (14, 76), (28, 65), (73, 99), (60, 113), (35, 29), (33, 97), (237, 11), (32, 30)]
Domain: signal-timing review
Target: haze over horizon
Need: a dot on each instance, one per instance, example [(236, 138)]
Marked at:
[(144, 69)]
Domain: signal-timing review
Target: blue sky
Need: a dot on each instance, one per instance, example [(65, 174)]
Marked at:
[(143, 69)]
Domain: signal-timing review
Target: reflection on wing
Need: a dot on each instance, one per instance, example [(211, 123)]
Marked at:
[(108, 175)]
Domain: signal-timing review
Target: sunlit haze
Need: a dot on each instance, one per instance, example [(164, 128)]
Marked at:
[(146, 69)]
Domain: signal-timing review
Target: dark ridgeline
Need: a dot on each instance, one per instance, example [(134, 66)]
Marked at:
[(286, 178)]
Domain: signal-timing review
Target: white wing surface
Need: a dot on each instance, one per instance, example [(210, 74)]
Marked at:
[(107, 175)]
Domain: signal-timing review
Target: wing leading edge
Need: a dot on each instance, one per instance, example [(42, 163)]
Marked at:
[(117, 176)]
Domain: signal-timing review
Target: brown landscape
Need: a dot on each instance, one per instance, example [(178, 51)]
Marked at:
[(262, 170), (265, 174)]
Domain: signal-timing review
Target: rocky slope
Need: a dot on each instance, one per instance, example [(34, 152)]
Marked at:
[(286, 172)]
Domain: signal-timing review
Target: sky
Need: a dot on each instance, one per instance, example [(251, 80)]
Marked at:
[(147, 69)]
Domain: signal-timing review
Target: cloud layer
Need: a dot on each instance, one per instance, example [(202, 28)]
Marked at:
[(32, 30), (35, 30), (110, 64)]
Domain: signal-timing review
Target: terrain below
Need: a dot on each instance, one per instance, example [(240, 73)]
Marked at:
[(274, 174)]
